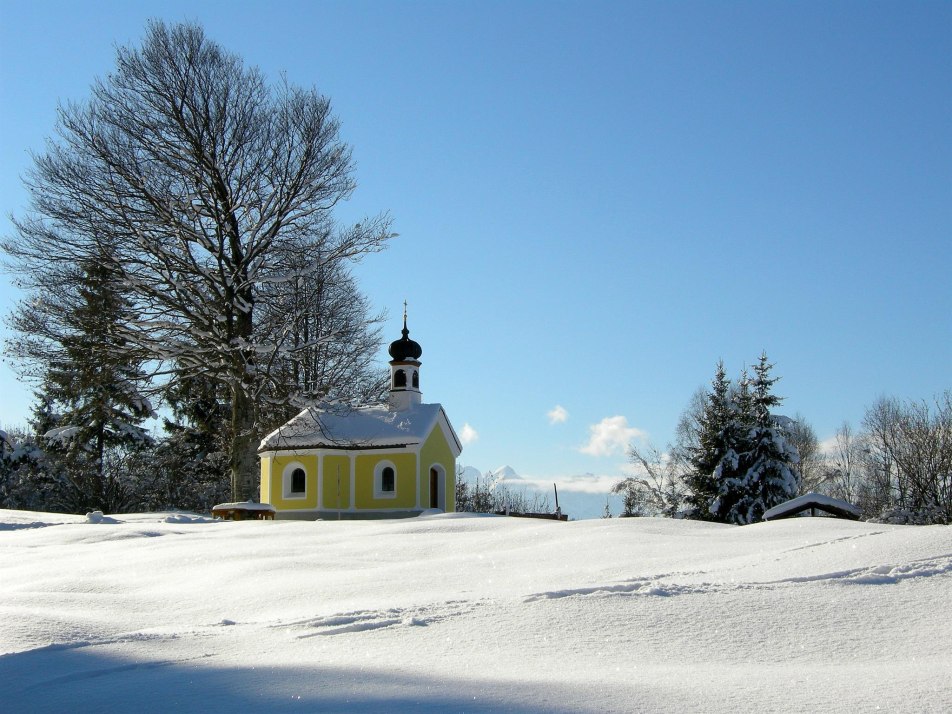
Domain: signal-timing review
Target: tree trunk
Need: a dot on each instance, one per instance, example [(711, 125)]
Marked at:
[(243, 452)]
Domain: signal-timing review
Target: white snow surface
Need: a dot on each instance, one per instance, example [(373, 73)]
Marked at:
[(455, 612)]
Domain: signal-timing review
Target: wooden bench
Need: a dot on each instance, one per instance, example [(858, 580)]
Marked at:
[(247, 511), (557, 516)]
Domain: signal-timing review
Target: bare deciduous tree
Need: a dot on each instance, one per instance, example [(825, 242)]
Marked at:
[(658, 488), (198, 175), (812, 473), (909, 455), (844, 463)]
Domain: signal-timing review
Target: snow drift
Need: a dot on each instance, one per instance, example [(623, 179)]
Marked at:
[(162, 612)]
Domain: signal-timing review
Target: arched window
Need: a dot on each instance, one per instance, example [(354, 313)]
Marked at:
[(294, 480), (399, 378), (297, 481), (385, 480), (416, 379)]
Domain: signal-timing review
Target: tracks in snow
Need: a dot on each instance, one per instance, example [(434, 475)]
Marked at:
[(369, 620), (683, 583), (660, 586)]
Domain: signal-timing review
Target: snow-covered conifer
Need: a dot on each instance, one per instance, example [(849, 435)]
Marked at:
[(711, 445), (190, 462), (93, 380), (758, 471)]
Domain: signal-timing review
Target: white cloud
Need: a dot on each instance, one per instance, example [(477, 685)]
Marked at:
[(559, 415), (828, 447), (581, 483), (468, 434), (610, 436)]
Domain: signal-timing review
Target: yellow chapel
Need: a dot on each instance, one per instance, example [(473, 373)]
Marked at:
[(389, 461)]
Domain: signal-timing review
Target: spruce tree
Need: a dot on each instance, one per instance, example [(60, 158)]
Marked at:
[(759, 470), (92, 382), (24, 483), (191, 463), (42, 473), (729, 472), (711, 446), (773, 458)]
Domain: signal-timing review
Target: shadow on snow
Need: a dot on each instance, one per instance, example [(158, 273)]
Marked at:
[(77, 679)]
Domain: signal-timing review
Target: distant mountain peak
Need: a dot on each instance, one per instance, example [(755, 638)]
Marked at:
[(503, 473)]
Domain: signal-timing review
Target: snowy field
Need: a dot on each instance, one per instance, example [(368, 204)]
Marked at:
[(173, 613)]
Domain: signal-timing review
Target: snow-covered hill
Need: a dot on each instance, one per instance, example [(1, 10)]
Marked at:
[(164, 612)]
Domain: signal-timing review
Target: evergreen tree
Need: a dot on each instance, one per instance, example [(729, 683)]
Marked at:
[(191, 463), (23, 482), (93, 382), (42, 472), (736, 438), (710, 448), (758, 471), (762, 399)]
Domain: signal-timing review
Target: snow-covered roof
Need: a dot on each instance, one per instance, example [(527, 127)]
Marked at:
[(365, 427), (812, 500)]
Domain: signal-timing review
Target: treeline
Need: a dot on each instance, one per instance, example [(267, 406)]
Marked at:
[(182, 469), (735, 457), (180, 258), (898, 466), (487, 495)]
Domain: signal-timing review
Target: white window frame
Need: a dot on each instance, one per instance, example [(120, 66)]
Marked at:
[(287, 482), (378, 480)]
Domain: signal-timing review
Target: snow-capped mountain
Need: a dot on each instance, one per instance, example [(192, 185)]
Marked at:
[(503, 473), (583, 496)]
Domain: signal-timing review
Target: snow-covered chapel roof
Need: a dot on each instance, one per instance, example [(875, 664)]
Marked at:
[(363, 428)]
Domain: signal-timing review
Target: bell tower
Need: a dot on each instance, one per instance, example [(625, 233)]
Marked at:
[(405, 370)]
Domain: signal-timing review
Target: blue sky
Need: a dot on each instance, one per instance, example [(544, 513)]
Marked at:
[(597, 201)]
